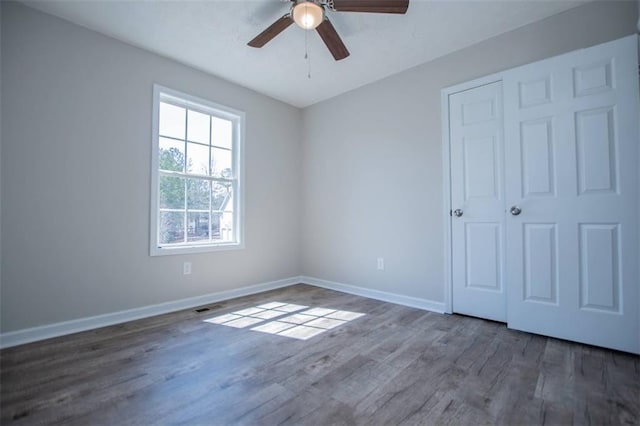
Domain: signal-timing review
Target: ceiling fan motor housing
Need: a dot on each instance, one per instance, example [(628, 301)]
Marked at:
[(307, 14)]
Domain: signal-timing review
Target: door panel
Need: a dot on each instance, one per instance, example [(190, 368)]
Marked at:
[(538, 166), (477, 190), (592, 78), (541, 262), (480, 165), (595, 139), (571, 166), (482, 257), (534, 92), (599, 267)]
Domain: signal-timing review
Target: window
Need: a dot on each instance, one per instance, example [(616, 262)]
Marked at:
[(196, 175)]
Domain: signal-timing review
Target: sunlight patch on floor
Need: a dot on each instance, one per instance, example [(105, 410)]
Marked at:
[(289, 320)]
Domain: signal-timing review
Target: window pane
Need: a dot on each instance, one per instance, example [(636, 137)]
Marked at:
[(221, 163), (171, 227), (198, 226), (171, 155), (198, 191), (198, 130), (226, 226), (197, 159), (221, 132), (220, 196), (215, 226), (171, 192), (222, 226), (228, 207), (172, 120)]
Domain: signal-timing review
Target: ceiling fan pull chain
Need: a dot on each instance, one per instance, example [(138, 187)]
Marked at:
[(306, 53), (306, 44)]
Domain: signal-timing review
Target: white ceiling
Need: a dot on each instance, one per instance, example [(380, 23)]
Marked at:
[(212, 35)]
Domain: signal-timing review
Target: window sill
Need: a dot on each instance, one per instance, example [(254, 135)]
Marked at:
[(168, 251)]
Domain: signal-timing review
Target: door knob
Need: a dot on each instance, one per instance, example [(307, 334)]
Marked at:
[(458, 212), (515, 210)]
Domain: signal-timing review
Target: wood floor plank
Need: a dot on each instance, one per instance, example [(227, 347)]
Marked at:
[(394, 365)]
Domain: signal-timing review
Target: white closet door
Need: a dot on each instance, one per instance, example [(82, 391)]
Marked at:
[(571, 167), (477, 198)]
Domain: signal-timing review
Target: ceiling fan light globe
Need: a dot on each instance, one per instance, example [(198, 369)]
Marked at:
[(307, 15)]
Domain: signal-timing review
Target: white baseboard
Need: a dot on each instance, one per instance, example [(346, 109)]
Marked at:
[(48, 331), (413, 302), (33, 334)]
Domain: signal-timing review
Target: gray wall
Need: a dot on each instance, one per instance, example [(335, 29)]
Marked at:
[(76, 152), (372, 158), (75, 170)]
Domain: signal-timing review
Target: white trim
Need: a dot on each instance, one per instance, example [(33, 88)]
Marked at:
[(446, 201), (398, 299), (446, 177), (238, 118), (153, 199), (472, 84), (48, 331), (33, 334), (195, 248)]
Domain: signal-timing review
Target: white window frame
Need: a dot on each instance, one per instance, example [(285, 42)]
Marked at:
[(238, 119)]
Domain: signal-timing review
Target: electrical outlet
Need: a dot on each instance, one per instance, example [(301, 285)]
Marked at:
[(381, 264), (186, 268)]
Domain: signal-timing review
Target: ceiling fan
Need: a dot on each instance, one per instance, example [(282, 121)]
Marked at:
[(310, 14)]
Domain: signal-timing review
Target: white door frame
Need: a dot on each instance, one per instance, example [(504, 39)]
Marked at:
[(446, 176), (446, 173)]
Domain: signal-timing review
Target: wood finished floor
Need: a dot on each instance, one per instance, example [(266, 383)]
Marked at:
[(395, 365)]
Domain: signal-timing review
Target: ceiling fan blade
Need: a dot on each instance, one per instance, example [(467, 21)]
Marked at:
[(371, 6), (267, 35), (331, 38)]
